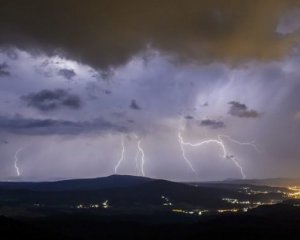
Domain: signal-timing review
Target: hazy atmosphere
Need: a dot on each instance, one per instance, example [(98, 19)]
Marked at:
[(202, 91)]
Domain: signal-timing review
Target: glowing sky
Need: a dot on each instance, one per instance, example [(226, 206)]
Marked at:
[(86, 84)]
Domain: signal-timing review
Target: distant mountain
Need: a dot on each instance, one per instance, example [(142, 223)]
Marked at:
[(113, 181), (275, 182), (125, 192)]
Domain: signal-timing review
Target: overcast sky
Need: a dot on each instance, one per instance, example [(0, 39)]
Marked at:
[(86, 84)]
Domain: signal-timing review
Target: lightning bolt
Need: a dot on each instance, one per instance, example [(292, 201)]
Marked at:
[(122, 155), (236, 163), (219, 141), (251, 144), (182, 143), (139, 155), (17, 159), (141, 151), (136, 160)]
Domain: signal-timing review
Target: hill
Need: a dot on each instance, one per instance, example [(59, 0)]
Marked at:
[(113, 181)]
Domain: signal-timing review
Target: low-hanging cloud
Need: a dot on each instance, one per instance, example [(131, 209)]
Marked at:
[(133, 105), (189, 117), (49, 100), (31, 126), (67, 73), (3, 141), (211, 123), (4, 70), (238, 109)]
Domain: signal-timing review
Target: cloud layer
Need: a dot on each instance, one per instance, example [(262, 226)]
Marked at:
[(49, 100), (108, 33), (28, 126)]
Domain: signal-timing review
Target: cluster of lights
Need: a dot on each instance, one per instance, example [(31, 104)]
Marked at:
[(105, 204), (232, 210), (190, 212), (201, 212), (228, 210), (95, 205), (167, 201), (235, 201), (250, 205), (250, 191), (81, 206), (183, 211), (295, 192), (271, 202)]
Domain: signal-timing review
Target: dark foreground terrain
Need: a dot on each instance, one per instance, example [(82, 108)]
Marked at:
[(125, 207), (281, 223)]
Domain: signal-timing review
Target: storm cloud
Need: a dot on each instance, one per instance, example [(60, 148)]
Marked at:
[(67, 73), (30, 126), (214, 124), (189, 117), (108, 33), (133, 105), (238, 109), (49, 100), (80, 76), (4, 70)]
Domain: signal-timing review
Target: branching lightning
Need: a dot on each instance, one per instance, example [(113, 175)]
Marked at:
[(16, 161), (122, 155), (140, 156), (219, 141), (251, 144)]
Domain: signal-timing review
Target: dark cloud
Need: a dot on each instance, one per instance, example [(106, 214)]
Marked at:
[(189, 117), (118, 114), (30, 126), (10, 53), (241, 110), (290, 22), (67, 73), (3, 70), (107, 92), (205, 104), (3, 141), (44, 69), (107, 33), (49, 100), (133, 105), (214, 124)]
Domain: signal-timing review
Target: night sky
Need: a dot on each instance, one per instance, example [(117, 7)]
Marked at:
[(84, 83)]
